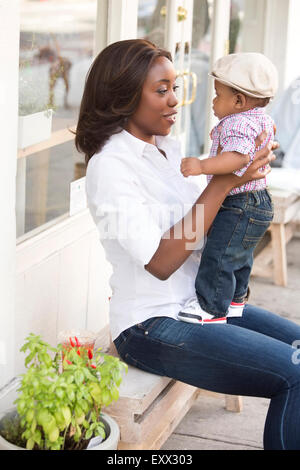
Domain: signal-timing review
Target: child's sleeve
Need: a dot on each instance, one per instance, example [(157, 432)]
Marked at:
[(238, 135)]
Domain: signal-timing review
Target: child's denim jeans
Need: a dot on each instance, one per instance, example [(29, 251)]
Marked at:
[(227, 258)]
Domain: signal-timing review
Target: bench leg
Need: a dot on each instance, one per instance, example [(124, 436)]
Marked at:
[(279, 254), (234, 403)]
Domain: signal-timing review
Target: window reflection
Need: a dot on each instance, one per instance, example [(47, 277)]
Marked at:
[(200, 59), (237, 14), (56, 51), (151, 21), (56, 48)]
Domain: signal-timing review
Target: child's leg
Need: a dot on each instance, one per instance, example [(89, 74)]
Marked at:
[(260, 212), (227, 259), (215, 282), (242, 277)]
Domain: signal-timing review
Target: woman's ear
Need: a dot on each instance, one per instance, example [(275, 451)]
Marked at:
[(240, 100)]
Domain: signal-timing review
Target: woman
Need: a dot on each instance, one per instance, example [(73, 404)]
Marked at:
[(151, 226)]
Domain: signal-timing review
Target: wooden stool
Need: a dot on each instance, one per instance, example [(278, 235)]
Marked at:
[(151, 406), (282, 229)]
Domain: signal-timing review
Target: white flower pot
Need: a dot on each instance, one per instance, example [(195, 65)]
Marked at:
[(110, 443), (34, 128)]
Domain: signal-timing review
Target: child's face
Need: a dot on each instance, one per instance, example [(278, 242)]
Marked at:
[(224, 103)]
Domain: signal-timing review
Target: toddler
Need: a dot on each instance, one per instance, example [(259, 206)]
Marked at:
[(244, 85)]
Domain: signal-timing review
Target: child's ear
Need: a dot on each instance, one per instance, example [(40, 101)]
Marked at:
[(240, 100)]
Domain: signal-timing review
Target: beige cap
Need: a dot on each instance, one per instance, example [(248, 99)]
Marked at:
[(249, 72)]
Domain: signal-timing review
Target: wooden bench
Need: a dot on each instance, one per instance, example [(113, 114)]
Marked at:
[(150, 406), (271, 260)]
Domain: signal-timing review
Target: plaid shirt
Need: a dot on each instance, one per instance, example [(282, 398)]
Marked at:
[(237, 133)]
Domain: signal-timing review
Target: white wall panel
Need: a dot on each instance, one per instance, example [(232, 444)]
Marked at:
[(73, 284), (99, 290), (36, 304)]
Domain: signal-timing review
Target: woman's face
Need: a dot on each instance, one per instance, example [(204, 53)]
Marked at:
[(156, 111)]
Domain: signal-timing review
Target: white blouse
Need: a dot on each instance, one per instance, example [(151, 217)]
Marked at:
[(135, 195)]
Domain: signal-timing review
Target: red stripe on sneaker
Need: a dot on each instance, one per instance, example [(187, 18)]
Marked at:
[(221, 319), (235, 304)]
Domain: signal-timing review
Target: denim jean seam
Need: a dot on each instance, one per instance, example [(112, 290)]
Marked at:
[(156, 340), (250, 242), (265, 212), (125, 340), (152, 324), (218, 287)]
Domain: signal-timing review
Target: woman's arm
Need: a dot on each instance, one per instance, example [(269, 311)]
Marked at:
[(173, 251), (221, 164)]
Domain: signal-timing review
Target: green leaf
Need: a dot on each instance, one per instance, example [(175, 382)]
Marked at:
[(106, 397), (60, 393), (85, 424), (95, 391), (21, 405), (66, 414), (37, 437), (29, 416), (30, 444), (89, 375), (84, 405), (89, 434), (29, 358), (114, 393), (100, 432), (78, 411), (53, 434), (33, 426), (79, 377)]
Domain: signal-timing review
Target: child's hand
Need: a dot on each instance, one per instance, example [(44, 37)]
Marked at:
[(190, 166)]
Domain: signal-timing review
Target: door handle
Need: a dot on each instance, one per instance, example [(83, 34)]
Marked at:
[(185, 75), (194, 89), (185, 88), (181, 13)]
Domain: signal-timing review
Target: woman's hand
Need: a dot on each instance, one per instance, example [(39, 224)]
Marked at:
[(261, 159)]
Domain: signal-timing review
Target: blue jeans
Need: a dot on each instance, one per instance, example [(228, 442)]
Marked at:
[(227, 259), (250, 355)]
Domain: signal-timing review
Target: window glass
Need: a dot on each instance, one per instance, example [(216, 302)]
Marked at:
[(56, 51), (151, 21), (200, 61), (237, 16)]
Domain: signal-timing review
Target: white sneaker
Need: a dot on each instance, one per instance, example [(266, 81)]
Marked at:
[(193, 313), (236, 309)]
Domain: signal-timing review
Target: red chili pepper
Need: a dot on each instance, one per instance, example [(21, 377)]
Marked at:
[(71, 342), (68, 362), (78, 352), (90, 354), (77, 342), (93, 366)]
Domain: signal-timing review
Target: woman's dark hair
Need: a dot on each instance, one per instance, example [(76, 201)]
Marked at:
[(112, 91)]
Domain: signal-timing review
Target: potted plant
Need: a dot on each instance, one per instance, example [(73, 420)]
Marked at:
[(60, 399), (35, 115)]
